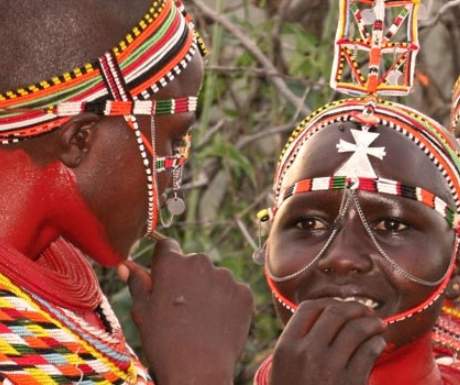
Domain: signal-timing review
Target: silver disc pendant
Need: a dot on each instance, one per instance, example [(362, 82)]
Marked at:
[(368, 16), (176, 206), (258, 256), (394, 77)]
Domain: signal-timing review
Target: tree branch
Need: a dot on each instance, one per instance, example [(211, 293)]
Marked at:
[(442, 11), (257, 53)]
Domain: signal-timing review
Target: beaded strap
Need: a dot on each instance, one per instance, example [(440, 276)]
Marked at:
[(136, 107)]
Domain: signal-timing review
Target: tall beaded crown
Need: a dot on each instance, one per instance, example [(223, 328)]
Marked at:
[(375, 52), (372, 55)]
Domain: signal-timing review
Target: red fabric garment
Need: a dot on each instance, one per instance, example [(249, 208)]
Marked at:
[(413, 364)]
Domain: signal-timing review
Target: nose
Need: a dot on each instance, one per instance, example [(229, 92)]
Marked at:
[(349, 253)]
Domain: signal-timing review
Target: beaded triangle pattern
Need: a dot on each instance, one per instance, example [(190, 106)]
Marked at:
[(44, 344)]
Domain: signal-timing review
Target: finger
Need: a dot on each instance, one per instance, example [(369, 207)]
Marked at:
[(166, 246), (123, 273), (164, 250), (353, 334), (363, 360), (139, 280), (333, 318), (303, 319)]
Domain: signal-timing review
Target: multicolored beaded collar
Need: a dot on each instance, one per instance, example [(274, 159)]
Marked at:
[(365, 36), (122, 82)]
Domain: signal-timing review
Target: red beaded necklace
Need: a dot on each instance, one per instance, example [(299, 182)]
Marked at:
[(61, 275)]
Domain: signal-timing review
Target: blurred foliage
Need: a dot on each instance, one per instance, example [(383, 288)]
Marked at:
[(243, 125)]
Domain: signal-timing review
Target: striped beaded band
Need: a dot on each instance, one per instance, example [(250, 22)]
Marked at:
[(135, 107), (377, 185), (156, 50)]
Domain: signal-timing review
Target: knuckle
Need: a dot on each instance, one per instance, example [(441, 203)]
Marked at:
[(200, 259), (335, 311), (371, 325), (246, 295), (375, 346), (226, 274)]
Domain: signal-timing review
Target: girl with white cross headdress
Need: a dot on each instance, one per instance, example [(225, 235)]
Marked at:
[(376, 156)]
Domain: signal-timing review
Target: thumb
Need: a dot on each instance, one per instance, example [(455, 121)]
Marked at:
[(162, 255), (138, 279), (166, 246)]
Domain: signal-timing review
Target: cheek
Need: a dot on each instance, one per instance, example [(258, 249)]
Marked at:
[(288, 250)]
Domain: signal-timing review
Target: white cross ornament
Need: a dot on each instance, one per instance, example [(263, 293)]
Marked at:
[(359, 165)]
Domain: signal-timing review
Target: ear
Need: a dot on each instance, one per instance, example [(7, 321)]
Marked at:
[(453, 288), (76, 137)]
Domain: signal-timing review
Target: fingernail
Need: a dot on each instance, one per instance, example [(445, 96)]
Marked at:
[(123, 272)]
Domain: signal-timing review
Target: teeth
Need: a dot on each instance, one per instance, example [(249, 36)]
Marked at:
[(371, 304)]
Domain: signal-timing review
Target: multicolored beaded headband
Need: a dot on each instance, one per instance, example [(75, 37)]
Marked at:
[(119, 83), (375, 185), (363, 26)]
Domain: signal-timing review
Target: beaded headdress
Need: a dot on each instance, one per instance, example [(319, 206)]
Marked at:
[(376, 47), (121, 82)]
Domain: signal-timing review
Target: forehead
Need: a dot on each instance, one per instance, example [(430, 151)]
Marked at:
[(403, 162)]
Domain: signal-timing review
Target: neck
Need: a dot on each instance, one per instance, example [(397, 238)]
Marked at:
[(411, 364), (38, 204)]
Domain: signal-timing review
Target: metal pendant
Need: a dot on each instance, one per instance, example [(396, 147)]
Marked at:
[(368, 16), (175, 205), (394, 77), (258, 256)]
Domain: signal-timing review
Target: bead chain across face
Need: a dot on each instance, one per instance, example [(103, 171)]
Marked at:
[(363, 28)]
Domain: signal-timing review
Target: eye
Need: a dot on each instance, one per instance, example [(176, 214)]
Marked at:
[(310, 224), (391, 225)]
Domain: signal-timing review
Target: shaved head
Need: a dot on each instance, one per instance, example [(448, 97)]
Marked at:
[(41, 39)]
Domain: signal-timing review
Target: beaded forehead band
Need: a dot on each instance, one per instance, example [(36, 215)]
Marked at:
[(372, 32), (375, 185), (119, 83)]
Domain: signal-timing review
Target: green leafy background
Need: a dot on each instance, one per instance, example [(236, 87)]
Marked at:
[(244, 121)]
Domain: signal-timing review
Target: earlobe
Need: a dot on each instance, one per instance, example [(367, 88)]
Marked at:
[(453, 289), (76, 137)]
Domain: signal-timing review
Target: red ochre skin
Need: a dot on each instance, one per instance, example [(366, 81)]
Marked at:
[(40, 203)]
